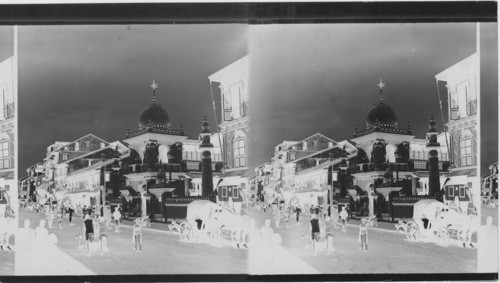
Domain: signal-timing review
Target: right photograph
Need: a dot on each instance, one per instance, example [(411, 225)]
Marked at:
[(368, 148)]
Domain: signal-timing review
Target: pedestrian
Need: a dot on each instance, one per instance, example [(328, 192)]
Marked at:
[(343, 217), (363, 235), (314, 228), (41, 234), (60, 215), (50, 216), (266, 233), (117, 216), (266, 239), (84, 211), (253, 233), (297, 211), (70, 214), (137, 235), (102, 224), (88, 228), (487, 247)]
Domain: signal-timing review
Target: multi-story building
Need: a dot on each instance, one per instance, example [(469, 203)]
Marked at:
[(233, 83), (152, 163), (489, 182), (8, 94), (462, 83)]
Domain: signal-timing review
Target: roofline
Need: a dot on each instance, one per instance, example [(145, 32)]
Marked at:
[(217, 73), (440, 75), (317, 152), (89, 153), (310, 137)]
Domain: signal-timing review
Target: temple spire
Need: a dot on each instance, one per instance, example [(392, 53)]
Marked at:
[(154, 86), (381, 85)]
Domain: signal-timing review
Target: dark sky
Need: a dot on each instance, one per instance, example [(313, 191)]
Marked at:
[(323, 78), (75, 80)]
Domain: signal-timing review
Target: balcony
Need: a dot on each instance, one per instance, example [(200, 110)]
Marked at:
[(393, 166), (183, 166)]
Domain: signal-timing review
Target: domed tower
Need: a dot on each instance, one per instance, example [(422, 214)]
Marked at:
[(154, 114), (154, 119), (381, 114), (381, 137)]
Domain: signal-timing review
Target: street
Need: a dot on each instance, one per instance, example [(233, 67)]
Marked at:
[(388, 252), (7, 262), (164, 253)]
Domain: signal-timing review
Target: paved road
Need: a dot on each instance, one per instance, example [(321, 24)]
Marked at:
[(163, 253), (7, 259), (388, 252)]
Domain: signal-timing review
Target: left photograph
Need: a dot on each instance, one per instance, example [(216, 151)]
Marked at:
[(133, 149), (8, 133)]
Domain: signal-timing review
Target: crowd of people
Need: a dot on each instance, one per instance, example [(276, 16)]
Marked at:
[(322, 223), (8, 226), (93, 235)]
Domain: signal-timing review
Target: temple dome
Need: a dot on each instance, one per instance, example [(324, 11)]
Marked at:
[(154, 114), (382, 113)]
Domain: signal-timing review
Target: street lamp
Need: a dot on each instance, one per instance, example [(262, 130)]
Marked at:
[(342, 169), (105, 176)]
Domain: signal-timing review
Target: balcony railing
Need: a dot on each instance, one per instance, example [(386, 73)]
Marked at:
[(393, 166)]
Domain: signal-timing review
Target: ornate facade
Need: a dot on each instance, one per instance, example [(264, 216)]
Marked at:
[(233, 83)]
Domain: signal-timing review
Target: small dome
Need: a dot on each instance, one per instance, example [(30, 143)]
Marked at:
[(383, 113), (154, 114)]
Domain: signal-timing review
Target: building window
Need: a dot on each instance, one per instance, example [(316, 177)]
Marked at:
[(466, 149), (235, 192), (64, 157), (4, 155), (450, 191), (227, 105), (292, 156), (224, 192), (239, 153), (87, 143), (462, 192)]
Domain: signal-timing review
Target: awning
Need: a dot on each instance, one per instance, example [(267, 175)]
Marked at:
[(7, 175), (159, 191), (464, 172), (235, 173)]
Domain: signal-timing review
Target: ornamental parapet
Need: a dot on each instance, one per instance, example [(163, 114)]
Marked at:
[(187, 200), (156, 129), (393, 166), (382, 128)]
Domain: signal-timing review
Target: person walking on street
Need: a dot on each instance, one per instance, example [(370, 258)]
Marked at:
[(117, 216), (137, 235), (88, 227), (343, 217), (70, 214), (102, 224), (84, 211), (60, 214), (297, 211), (314, 227), (363, 235)]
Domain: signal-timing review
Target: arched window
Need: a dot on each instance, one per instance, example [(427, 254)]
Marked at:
[(466, 148)]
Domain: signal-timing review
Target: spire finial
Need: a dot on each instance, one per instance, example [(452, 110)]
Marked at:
[(432, 124), (205, 126), (381, 85), (154, 86)]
